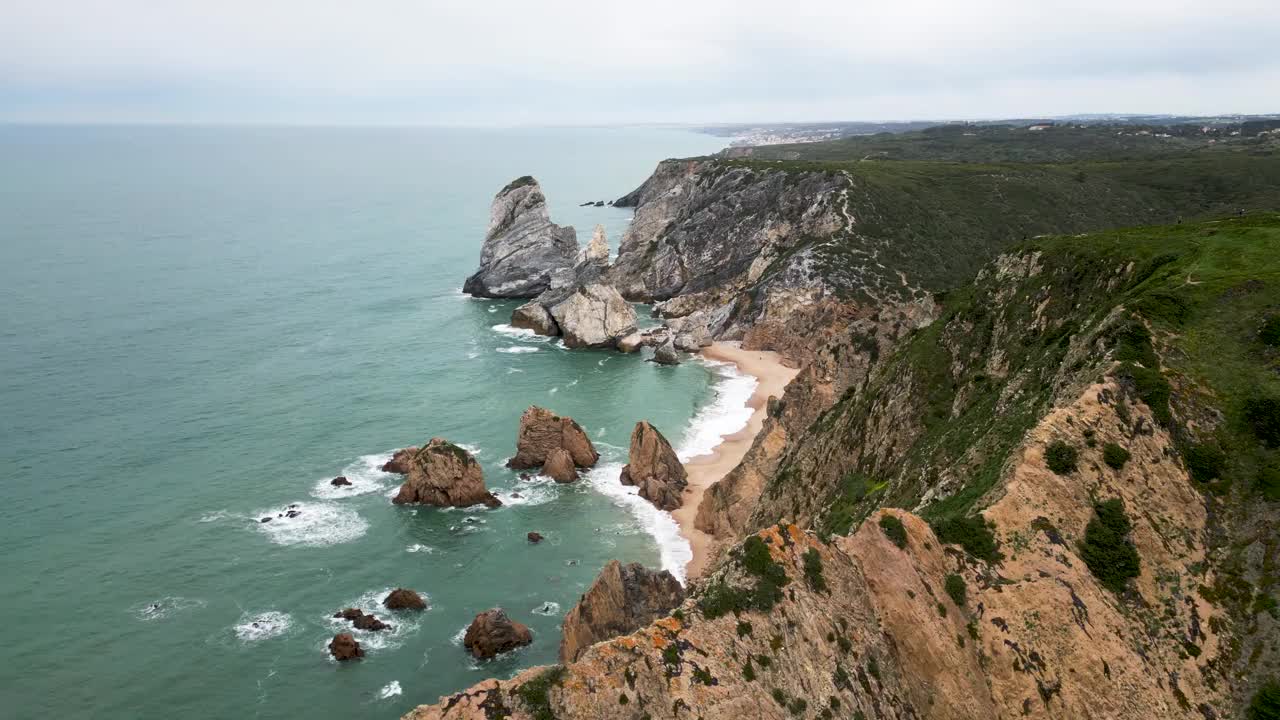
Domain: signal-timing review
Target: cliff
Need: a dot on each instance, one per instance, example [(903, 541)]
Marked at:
[(1056, 500)]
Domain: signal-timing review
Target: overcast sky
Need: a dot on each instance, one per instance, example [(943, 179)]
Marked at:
[(494, 62)]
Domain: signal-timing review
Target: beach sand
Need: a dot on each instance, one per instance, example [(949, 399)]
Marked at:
[(706, 470)]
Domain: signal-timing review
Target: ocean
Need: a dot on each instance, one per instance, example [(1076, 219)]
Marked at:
[(203, 326)]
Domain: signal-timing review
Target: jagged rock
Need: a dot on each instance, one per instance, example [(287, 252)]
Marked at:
[(666, 354), (533, 316), (493, 633), (593, 315), (404, 599), (542, 431), (399, 462), (370, 623), (444, 475), (339, 481), (654, 468), (349, 613), (692, 341), (344, 647), (559, 466), (534, 537), (522, 247), (597, 251), (623, 599)]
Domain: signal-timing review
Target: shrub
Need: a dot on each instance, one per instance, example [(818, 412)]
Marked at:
[(1060, 457), (1263, 414), (622, 699), (1269, 482), (1270, 332), (1114, 456), (894, 530), (813, 570), (1266, 702), (1205, 462), (748, 671), (744, 628), (536, 693), (955, 588), (1106, 548), (972, 533), (779, 697), (1153, 389)]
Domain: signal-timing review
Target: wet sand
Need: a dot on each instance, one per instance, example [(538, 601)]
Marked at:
[(705, 470)]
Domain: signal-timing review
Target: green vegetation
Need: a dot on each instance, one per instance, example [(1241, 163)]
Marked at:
[(956, 589), (719, 598), (894, 530), (1060, 457), (623, 699), (813, 570), (744, 628), (1106, 548), (1269, 334), (1266, 702), (1263, 415), (536, 693), (972, 533), (1205, 463), (748, 670), (703, 676), (848, 508), (1114, 456)]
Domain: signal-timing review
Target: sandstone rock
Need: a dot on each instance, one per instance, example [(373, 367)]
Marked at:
[(623, 599), (493, 633), (522, 247), (593, 315), (344, 647), (597, 251), (444, 475), (533, 316), (666, 354), (654, 468), (559, 466), (339, 481), (404, 599), (399, 462), (542, 431), (534, 537)]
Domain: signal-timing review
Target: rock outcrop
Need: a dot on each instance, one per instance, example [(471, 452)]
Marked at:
[(533, 316), (559, 466), (344, 647), (623, 599), (399, 462), (654, 468), (493, 633), (404, 599), (522, 247), (666, 354), (592, 315), (361, 621), (444, 475), (340, 481), (542, 431), (596, 253)]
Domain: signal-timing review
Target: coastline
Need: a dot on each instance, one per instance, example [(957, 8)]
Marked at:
[(707, 469)]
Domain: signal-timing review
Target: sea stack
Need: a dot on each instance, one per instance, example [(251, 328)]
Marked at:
[(444, 475), (522, 247), (654, 468), (542, 431), (623, 599), (493, 633)]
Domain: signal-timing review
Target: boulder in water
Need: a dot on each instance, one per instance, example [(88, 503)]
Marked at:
[(542, 431), (533, 316), (370, 623), (654, 468), (593, 315), (559, 466), (666, 354), (339, 481), (344, 647), (444, 475), (404, 599), (493, 633), (534, 537)]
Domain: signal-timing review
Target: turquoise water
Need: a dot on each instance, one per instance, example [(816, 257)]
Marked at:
[(203, 326)]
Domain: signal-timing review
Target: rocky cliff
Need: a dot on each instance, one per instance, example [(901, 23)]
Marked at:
[(1056, 500), (621, 600), (522, 248)]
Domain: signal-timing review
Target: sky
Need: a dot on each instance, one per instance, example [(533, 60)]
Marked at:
[(590, 62)]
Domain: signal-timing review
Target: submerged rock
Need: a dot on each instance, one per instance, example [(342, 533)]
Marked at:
[(534, 537), (623, 599), (339, 481), (344, 647), (542, 431), (399, 462), (493, 633), (404, 599), (444, 475), (654, 468), (559, 466), (522, 247), (349, 613)]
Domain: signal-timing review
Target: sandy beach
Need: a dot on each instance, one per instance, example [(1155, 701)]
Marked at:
[(706, 470)]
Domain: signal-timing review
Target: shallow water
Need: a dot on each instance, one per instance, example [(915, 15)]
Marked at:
[(202, 327)]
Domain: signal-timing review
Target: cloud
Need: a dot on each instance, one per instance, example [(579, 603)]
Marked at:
[(570, 62)]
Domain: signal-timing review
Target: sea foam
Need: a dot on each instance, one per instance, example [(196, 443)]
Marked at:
[(317, 524), (365, 476), (725, 415), (262, 626), (673, 549), (518, 349), (402, 623)]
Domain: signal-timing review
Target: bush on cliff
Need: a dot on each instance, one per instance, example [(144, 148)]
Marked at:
[(1106, 548), (1060, 457)]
